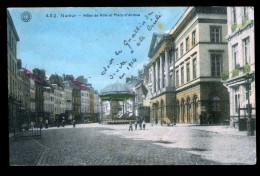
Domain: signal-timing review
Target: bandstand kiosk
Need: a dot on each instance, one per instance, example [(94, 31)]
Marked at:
[(115, 97)]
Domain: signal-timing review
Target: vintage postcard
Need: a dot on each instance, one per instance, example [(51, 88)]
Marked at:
[(103, 86)]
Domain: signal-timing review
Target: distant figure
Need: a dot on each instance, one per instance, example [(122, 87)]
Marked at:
[(140, 125), (130, 126), (46, 123), (143, 125), (74, 123), (32, 124), (135, 125), (200, 117)]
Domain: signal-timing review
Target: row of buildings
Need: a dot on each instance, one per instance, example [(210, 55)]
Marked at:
[(201, 71), (34, 97)]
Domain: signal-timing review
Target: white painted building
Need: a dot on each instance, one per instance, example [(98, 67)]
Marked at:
[(241, 54), (97, 108), (83, 101), (59, 100), (68, 96)]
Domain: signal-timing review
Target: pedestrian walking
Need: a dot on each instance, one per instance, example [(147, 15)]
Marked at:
[(74, 123), (135, 125), (140, 125), (143, 124), (46, 123), (130, 126)]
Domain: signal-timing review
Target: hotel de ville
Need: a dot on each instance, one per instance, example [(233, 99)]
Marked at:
[(185, 69)]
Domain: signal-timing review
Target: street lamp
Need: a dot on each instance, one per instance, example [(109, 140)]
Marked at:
[(250, 128)]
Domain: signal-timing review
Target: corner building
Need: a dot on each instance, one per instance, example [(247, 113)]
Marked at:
[(186, 66), (241, 46)]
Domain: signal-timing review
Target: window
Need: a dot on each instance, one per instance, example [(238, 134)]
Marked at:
[(246, 50), (234, 55), (215, 34), (248, 91), (194, 68), (188, 71), (177, 78), (182, 76), (234, 18), (237, 99), (245, 11), (215, 64), (187, 44), (193, 38), (181, 49), (176, 53)]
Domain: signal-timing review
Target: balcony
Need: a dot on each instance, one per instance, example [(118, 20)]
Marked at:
[(245, 22)]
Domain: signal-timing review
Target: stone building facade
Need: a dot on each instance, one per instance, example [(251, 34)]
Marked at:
[(241, 54), (186, 66), (83, 101), (23, 82), (142, 99), (39, 97), (12, 40)]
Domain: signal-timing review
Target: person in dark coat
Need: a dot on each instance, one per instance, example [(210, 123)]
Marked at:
[(140, 125), (130, 126), (135, 125), (143, 125), (74, 123)]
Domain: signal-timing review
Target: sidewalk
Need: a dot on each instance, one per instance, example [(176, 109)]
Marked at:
[(220, 129), (218, 143)]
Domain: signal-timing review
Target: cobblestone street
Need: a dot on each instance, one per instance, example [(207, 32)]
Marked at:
[(96, 144)]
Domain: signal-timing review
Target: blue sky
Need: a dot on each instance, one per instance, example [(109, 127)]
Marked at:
[(84, 45)]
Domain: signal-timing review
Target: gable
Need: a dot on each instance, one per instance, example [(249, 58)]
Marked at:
[(157, 39)]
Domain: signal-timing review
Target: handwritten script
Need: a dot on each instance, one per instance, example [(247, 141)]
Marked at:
[(131, 43)]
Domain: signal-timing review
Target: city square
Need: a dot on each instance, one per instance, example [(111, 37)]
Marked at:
[(106, 145), (114, 86)]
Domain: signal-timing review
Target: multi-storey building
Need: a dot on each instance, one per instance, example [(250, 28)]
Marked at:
[(91, 100), (23, 93), (241, 53), (142, 99), (59, 100), (84, 101), (186, 66), (12, 39), (32, 95), (48, 99), (39, 98), (68, 96), (97, 104)]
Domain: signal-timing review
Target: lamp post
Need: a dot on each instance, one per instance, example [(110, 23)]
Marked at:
[(250, 129)]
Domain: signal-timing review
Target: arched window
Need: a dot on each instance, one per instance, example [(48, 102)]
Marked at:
[(188, 110), (162, 109), (195, 108), (182, 109), (177, 111)]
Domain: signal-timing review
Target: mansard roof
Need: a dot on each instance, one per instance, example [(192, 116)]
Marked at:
[(31, 75), (78, 84)]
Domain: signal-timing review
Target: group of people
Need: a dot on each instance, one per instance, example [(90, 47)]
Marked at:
[(140, 123)]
